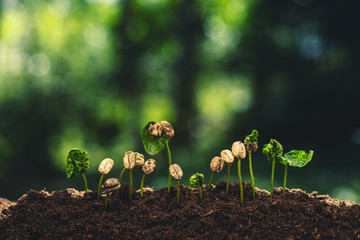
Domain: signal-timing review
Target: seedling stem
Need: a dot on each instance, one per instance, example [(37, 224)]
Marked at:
[(169, 156), (142, 185), (211, 179), (252, 175), (240, 182), (85, 182), (285, 177), (99, 187), (200, 192), (121, 175), (272, 178)]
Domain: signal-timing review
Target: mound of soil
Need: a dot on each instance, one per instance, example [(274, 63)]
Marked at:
[(70, 214)]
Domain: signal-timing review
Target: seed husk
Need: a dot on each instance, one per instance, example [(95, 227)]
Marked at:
[(139, 160), (227, 156), (238, 150), (149, 166), (105, 166), (111, 184), (176, 171), (129, 160), (166, 126), (217, 164), (155, 129)]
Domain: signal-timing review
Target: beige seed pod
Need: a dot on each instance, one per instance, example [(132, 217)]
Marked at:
[(111, 184), (129, 160), (176, 171), (227, 156), (238, 150), (217, 164), (149, 166), (139, 160), (155, 129), (167, 128), (105, 166)]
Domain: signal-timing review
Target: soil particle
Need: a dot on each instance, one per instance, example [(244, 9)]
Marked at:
[(70, 214)]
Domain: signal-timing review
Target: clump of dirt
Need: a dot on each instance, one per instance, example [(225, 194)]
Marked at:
[(70, 214)]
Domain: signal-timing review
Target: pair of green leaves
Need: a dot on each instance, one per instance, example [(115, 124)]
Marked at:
[(77, 162), (153, 144), (295, 158)]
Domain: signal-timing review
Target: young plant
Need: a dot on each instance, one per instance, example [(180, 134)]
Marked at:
[(148, 167), (77, 162), (139, 162), (238, 150), (251, 145), (177, 174), (295, 158), (104, 168), (129, 163), (196, 181), (228, 158), (110, 186), (216, 165), (273, 152), (154, 136)]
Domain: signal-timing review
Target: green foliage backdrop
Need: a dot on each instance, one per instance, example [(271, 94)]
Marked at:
[(90, 74)]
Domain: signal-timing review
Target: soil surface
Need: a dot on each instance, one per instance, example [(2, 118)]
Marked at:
[(70, 214)]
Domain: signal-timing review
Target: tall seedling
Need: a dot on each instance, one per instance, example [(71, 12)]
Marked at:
[(251, 145)]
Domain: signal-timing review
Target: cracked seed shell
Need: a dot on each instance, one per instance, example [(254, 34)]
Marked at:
[(129, 160), (238, 150), (105, 166), (176, 172), (111, 184), (227, 156), (217, 164), (149, 166)]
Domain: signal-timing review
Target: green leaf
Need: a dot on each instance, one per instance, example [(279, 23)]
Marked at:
[(297, 158), (152, 144), (273, 150), (77, 162), (252, 137), (197, 180)]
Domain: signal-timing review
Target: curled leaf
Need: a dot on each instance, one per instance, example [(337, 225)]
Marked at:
[(197, 180), (152, 144), (252, 137), (273, 150), (77, 162), (297, 158)]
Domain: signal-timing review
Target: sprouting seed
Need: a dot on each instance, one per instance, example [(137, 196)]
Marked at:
[(227, 156), (196, 181), (104, 168), (154, 136), (148, 167), (139, 160), (273, 152), (177, 174), (216, 165), (77, 162), (110, 185), (129, 161), (239, 151), (251, 145)]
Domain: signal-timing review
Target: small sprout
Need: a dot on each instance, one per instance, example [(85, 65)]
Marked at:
[(139, 159), (104, 168), (110, 185), (251, 145), (295, 158), (177, 174), (216, 165), (227, 156), (273, 152), (77, 162), (148, 167), (154, 136), (196, 181), (129, 161), (239, 151)]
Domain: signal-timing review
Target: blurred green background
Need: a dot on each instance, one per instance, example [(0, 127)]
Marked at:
[(90, 74)]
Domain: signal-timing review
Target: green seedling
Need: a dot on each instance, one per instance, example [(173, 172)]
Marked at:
[(77, 162), (196, 181), (295, 158), (216, 165), (238, 150), (176, 172), (139, 162), (129, 161), (273, 152), (148, 167), (154, 136), (104, 168), (251, 145), (110, 186), (228, 158)]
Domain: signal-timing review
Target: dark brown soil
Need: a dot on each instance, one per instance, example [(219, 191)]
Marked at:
[(70, 214)]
